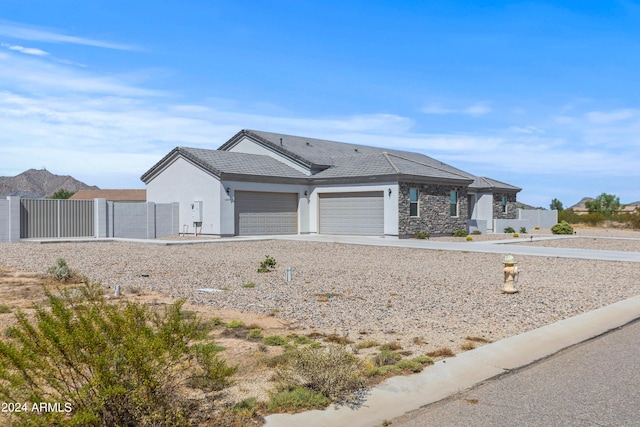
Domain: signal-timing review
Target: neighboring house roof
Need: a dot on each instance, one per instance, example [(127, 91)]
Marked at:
[(23, 195), (224, 164), (111, 195), (484, 183)]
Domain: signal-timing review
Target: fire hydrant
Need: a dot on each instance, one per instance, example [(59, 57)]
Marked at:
[(510, 274)]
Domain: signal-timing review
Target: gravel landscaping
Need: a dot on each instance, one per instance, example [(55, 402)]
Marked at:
[(386, 294)]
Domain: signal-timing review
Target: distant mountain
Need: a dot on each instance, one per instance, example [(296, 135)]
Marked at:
[(40, 182)]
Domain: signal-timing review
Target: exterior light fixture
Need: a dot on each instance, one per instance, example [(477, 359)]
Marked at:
[(228, 190), (306, 193), (389, 192)]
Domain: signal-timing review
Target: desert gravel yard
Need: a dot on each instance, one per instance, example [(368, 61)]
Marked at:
[(424, 299)]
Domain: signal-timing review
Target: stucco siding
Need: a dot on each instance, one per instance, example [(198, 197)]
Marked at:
[(185, 183)]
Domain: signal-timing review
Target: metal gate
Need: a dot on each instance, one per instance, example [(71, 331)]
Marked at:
[(46, 218)]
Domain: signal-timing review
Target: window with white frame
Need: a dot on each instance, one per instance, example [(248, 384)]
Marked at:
[(414, 196), (453, 203)]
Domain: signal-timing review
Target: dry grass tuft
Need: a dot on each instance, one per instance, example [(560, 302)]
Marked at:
[(441, 352)]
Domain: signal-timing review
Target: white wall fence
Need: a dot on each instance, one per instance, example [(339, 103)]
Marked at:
[(49, 218)]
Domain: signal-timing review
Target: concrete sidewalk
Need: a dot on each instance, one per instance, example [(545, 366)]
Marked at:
[(399, 395)]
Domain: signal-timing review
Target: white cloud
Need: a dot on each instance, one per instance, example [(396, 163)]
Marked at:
[(477, 109), (600, 117), (24, 32), (26, 50)]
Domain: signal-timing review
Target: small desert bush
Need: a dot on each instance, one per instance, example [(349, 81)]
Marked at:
[(255, 333), (115, 364), (509, 230), (460, 233), (391, 345), (235, 324), (4, 309), (275, 340), (249, 285), (268, 265), (516, 235), (476, 232), (61, 272), (469, 238), (332, 371), (386, 357), (523, 230), (421, 235), (562, 227), (295, 399)]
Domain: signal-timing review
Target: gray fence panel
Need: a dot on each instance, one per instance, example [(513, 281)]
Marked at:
[(166, 221), (47, 218)]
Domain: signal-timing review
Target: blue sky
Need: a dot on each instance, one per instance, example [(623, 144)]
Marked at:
[(541, 95)]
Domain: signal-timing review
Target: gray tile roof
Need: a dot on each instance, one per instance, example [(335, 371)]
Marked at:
[(221, 163), (484, 183), (320, 154)]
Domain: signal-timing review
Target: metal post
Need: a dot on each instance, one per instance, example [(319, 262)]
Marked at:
[(288, 273)]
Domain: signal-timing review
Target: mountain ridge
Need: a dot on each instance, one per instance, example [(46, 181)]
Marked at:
[(41, 182)]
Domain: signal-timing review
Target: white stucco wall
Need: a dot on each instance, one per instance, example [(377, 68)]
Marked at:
[(246, 145), (185, 183), (390, 203)]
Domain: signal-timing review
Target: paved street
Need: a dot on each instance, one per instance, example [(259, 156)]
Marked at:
[(591, 384)]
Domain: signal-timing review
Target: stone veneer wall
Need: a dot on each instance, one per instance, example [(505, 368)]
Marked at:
[(433, 208), (512, 208)]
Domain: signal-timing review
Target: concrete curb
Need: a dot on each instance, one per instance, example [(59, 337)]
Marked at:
[(399, 395)]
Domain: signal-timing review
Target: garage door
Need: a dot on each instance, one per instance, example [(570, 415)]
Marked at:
[(265, 213), (352, 213)]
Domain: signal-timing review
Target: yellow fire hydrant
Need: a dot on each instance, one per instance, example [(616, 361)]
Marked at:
[(510, 274)]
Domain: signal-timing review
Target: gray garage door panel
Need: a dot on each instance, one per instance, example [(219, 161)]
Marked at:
[(352, 213), (259, 213)]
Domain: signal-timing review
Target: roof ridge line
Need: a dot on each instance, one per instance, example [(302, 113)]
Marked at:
[(429, 166), (393, 165)]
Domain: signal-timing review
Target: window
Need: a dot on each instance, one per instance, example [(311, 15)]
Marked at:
[(504, 204), (414, 195), (453, 203)]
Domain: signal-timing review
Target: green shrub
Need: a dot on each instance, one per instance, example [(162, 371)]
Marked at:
[(422, 235), (275, 340), (509, 230), (331, 371), (115, 364), (516, 235), (562, 228), (255, 333), (235, 324), (4, 309), (249, 285), (523, 230), (469, 238), (268, 265), (386, 357), (476, 232), (460, 233), (60, 271), (295, 399)]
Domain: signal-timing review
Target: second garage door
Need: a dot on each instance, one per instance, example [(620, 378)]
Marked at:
[(265, 213), (352, 213)]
